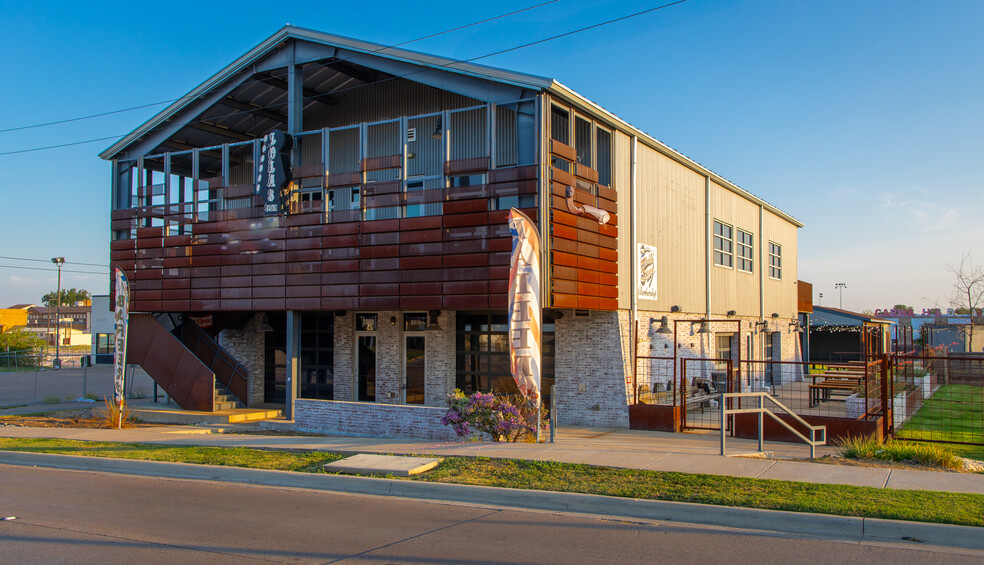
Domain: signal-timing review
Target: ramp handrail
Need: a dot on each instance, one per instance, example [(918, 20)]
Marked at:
[(762, 411)]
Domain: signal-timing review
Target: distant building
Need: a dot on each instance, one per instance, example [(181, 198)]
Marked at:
[(842, 335), (13, 317)]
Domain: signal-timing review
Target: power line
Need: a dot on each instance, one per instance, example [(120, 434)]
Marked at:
[(335, 92), (148, 105), (48, 261), (51, 270)]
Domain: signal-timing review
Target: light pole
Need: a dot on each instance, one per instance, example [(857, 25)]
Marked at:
[(840, 289), (59, 261)]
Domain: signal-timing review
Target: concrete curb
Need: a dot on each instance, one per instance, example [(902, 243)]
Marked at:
[(839, 527)]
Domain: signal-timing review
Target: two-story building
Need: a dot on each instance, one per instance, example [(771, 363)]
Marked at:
[(377, 282)]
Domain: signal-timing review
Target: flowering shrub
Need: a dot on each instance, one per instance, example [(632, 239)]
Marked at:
[(502, 417)]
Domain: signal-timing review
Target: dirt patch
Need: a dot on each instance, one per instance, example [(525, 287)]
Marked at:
[(878, 463), (65, 419)]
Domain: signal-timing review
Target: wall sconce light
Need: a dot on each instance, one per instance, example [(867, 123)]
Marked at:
[(432, 316), (265, 323), (674, 308), (761, 326), (702, 328), (732, 313), (411, 155), (439, 130), (795, 326), (392, 320), (775, 315), (664, 325)]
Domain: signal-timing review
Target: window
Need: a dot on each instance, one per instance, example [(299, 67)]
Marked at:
[(482, 356), (775, 260), (723, 254), (467, 180), (317, 374), (723, 351), (560, 125), (604, 157), (518, 201), (582, 141), (745, 245)]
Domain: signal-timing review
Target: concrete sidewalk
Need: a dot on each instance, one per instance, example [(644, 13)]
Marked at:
[(634, 449)]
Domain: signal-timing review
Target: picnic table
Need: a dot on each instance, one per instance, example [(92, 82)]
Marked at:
[(826, 383)]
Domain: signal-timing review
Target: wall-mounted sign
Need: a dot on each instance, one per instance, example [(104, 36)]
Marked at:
[(273, 172), (647, 272)]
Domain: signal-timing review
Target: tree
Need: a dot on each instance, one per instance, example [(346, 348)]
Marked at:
[(69, 297), (968, 293), (901, 307)]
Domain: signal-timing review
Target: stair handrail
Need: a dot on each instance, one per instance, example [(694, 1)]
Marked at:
[(761, 410), (239, 369)]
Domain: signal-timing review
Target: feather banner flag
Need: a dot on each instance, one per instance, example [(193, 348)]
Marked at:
[(524, 303), (121, 319)]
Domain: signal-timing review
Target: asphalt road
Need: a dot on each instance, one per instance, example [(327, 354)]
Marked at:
[(87, 517)]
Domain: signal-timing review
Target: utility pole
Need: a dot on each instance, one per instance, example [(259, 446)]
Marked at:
[(840, 289), (59, 261)]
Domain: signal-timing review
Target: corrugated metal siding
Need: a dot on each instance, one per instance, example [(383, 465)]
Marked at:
[(344, 150), (780, 295), (626, 255), (732, 289), (469, 134), (428, 152), (386, 100), (506, 140), (670, 200)]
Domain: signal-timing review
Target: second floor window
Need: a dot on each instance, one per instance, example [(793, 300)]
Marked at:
[(745, 246), (775, 260), (723, 245)]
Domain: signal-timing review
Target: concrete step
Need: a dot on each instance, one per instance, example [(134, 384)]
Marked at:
[(175, 415), (224, 398), (219, 406)]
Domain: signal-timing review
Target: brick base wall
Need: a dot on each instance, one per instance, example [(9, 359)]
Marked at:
[(247, 345), (590, 368), (366, 419)]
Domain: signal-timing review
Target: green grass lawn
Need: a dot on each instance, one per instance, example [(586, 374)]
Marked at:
[(954, 413), (923, 506)]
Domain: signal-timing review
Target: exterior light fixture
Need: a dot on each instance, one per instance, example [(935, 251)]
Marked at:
[(795, 326), (761, 326), (432, 316), (439, 130), (732, 313), (265, 323), (392, 320), (674, 308), (701, 329), (775, 315), (664, 325)]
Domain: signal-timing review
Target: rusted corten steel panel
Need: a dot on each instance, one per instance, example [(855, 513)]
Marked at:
[(584, 253), (804, 297), (185, 378), (239, 260)]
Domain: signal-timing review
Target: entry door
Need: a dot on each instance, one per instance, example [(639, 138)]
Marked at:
[(413, 369), (367, 368)]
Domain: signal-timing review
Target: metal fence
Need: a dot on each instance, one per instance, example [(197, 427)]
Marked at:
[(938, 398)]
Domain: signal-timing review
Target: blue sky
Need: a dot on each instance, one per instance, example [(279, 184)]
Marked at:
[(865, 120)]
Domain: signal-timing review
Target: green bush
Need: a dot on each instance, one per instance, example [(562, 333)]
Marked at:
[(868, 447)]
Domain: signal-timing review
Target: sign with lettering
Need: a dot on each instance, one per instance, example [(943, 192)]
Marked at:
[(122, 318), (524, 304), (926, 312), (647, 272), (273, 172)]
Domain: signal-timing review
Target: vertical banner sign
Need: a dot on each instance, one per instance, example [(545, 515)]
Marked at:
[(272, 171), (524, 303), (122, 317), (647, 272)]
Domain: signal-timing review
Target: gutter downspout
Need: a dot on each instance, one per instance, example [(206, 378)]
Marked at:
[(762, 268), (708, 243), (634, 264)]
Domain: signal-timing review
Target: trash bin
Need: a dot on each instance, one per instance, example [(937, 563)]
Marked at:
[(56, 363)]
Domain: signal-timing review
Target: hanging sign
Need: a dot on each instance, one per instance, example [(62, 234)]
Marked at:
[(272, 170), (524, 303), (122, 317)]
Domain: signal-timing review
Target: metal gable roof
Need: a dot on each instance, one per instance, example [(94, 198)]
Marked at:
[(364, 47)]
